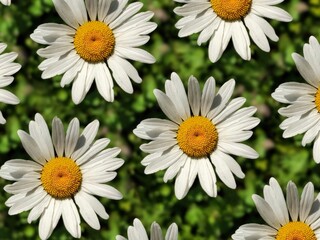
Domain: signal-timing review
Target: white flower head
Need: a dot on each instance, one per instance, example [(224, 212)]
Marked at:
[(202, 131), (6, 2), (94, 44), (287, 219), (66, 170), (7, 68), (138, 232), (218, 21), (303, 112)]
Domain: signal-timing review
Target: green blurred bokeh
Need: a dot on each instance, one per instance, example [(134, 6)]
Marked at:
[(147, 197)]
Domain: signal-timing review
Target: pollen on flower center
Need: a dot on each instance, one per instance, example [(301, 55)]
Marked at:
[(197, 137), (317, 100), (61, 177), (94, 41), (231, 10), (296, 231)]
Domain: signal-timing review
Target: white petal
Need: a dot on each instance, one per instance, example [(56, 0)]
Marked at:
[(223, 171), (65, 13), (79, 85), (45, 223), (85, 139), (92, 8), (79, 10), (102, 190), (266, 211), (208, 94), (58, 136), (119, 74), (272, 12), (167, 106), (305, 70), (241, 40), (194, 95), (306, 202), (316, 149), (207, 177), (172, 233), (256, 33), (238, 149), (164, 161), (8, 97), (87, 211), (31, 147), (72, 137), (293, 201), (95, 148), (181, 186), (71, 218), (104, 82)]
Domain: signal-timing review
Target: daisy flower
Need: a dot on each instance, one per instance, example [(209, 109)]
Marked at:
[(94, 44), (202, 131), (218, 21), (138, 232), (303, 112), (287, 219), (66, 171), (7, 68)]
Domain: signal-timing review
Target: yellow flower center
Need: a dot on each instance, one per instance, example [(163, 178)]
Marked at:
[(197, 137), (295, 231), (94, 41), (317, 100), (61, 177), (231, 10)]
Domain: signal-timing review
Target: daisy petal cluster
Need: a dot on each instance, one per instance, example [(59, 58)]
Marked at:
[(287, 218), (7, 68), (219, 21), (6, 2), (65, 172), (138, 232), (203, 129), (94, 45), (303, 112)]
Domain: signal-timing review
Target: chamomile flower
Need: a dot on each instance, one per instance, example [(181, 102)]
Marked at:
[(303, 112), (138, 232), (7, 68), (202, 131), (6, 2), (287, 219), (66, 170), (218, 21), (98, 39)]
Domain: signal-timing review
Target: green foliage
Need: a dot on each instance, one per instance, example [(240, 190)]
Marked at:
[(147, 197)]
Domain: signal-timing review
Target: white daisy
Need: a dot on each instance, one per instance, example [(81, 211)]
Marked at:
[(138, 232), (287, 219), (7, 68), (221, 20), (6, 2), (66, 171), (303, 113), (99, 37), (202, 131)]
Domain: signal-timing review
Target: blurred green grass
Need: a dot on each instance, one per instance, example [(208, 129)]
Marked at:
[(147, 196)]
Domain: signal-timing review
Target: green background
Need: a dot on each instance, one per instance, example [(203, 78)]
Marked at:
[(147, 197)]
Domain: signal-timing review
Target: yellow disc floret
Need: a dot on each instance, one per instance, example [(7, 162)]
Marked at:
[(231, 10), (296, 231), (317, 100), (94, 41), (61, 177), (197, 137)]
